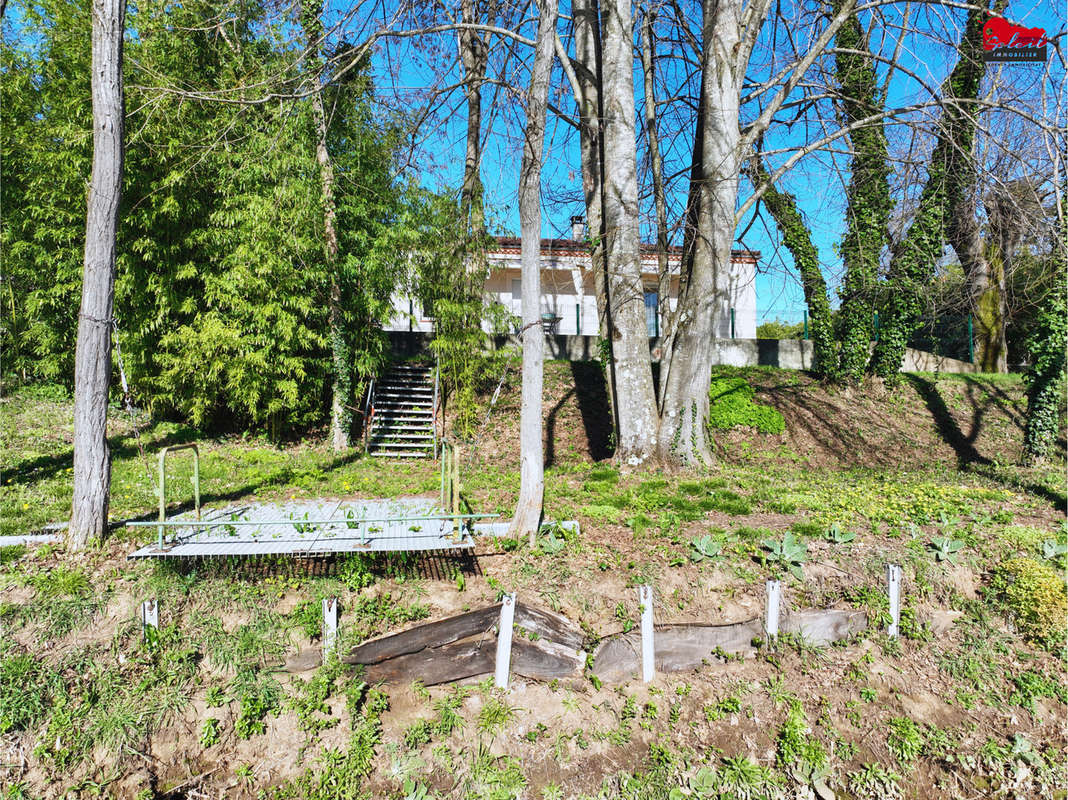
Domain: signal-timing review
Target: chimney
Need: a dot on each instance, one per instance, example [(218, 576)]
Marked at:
[(578, 228)]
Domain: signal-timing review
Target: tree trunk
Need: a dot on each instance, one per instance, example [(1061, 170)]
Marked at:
[(527, 518), (912, 265), (798, 240), (340, 389), (92, 360), (588, 71), (704, 301), (473, 55), (635, 399), (656, 166), (869, 203)]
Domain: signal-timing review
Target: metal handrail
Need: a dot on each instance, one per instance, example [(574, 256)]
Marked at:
[(368, 411), (161, 488), (434, 424)]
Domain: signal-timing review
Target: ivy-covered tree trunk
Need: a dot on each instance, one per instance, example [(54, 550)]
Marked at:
[(868, 199), (913, 261), (1046, 375), (635, 398), (92, 360), (798, 240), (341, 380), (527, 517)]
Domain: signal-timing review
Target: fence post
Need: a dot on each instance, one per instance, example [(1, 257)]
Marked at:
[(504, 642), (645, 602), (149, 616), (805, 312), (771, 618), (876, 326), (971, 340), (732, 323), (329, 626), (893, 588)]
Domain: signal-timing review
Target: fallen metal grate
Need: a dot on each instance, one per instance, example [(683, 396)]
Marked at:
[(311, 528)]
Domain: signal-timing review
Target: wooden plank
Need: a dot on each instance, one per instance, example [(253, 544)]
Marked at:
[(821, 627), (678, 648), (432, 634), (432, 666), (548, 625), (541, 660)]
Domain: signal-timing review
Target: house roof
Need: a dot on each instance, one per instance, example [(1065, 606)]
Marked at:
[(512, 244)]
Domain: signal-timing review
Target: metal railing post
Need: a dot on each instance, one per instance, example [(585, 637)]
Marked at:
[(161, 489)]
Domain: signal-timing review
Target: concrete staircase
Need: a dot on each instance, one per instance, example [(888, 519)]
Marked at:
[(403, 411)]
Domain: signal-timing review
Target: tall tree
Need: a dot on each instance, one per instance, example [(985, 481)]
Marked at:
[(868, 202), (340, 399), (635, 399), (913, 259), (92, 360), (798, 240), (527, 517)]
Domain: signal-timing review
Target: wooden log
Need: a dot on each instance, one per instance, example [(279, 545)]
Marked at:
[(432, 634), (821, 627), (434, 665), (543, 660), (548, 625)]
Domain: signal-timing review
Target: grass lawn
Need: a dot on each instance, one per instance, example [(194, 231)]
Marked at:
[(970, 701)]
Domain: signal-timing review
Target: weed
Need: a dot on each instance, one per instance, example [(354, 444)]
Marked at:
[(418, 734), (874, 782), (905, 740), (946, 548), (1036, 597), (494, 716), (258, 698), (210, 732), (788, 553), (731, 405), (704, 548)]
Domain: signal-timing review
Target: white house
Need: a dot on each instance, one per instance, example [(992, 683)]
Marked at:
[(567, 287)]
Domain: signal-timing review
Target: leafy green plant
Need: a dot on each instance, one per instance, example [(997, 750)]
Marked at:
[(1035, 596), (788, 553), (704, 548), (836, 535), (210, 732), (905, 739), (946, 548)]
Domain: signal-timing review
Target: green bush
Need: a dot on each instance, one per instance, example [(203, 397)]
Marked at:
[(731, 406), (1035, 595)]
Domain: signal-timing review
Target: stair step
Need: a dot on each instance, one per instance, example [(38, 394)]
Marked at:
[(411, 429), (383, 418), (406, 445), (402, 395), (390, 454), (378, 436)]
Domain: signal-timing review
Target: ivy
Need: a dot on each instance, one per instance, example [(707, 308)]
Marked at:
[(1046, 375), (913, 261), (798, 240), (868, 197)]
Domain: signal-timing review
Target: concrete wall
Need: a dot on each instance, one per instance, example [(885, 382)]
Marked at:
[(782, 353)]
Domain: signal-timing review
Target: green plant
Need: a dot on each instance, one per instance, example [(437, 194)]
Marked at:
[(905, 739), (836, 535), (704, 547), (946, 548), (417, 734), (1035, 596), (731, 405), (788, 553), (874, 782), (257, 698), (495, 714), (210, 732)]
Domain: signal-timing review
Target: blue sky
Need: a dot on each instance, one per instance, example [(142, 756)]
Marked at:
[(815, 180)]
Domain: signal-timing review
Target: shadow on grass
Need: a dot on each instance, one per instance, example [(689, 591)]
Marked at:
[(41, 468), (950, 431)]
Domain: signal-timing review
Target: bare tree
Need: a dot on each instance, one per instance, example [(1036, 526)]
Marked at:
[(527, 518), (92, 360)]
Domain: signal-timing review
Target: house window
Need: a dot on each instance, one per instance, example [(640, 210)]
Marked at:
[(517, 297), (652, 318)]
